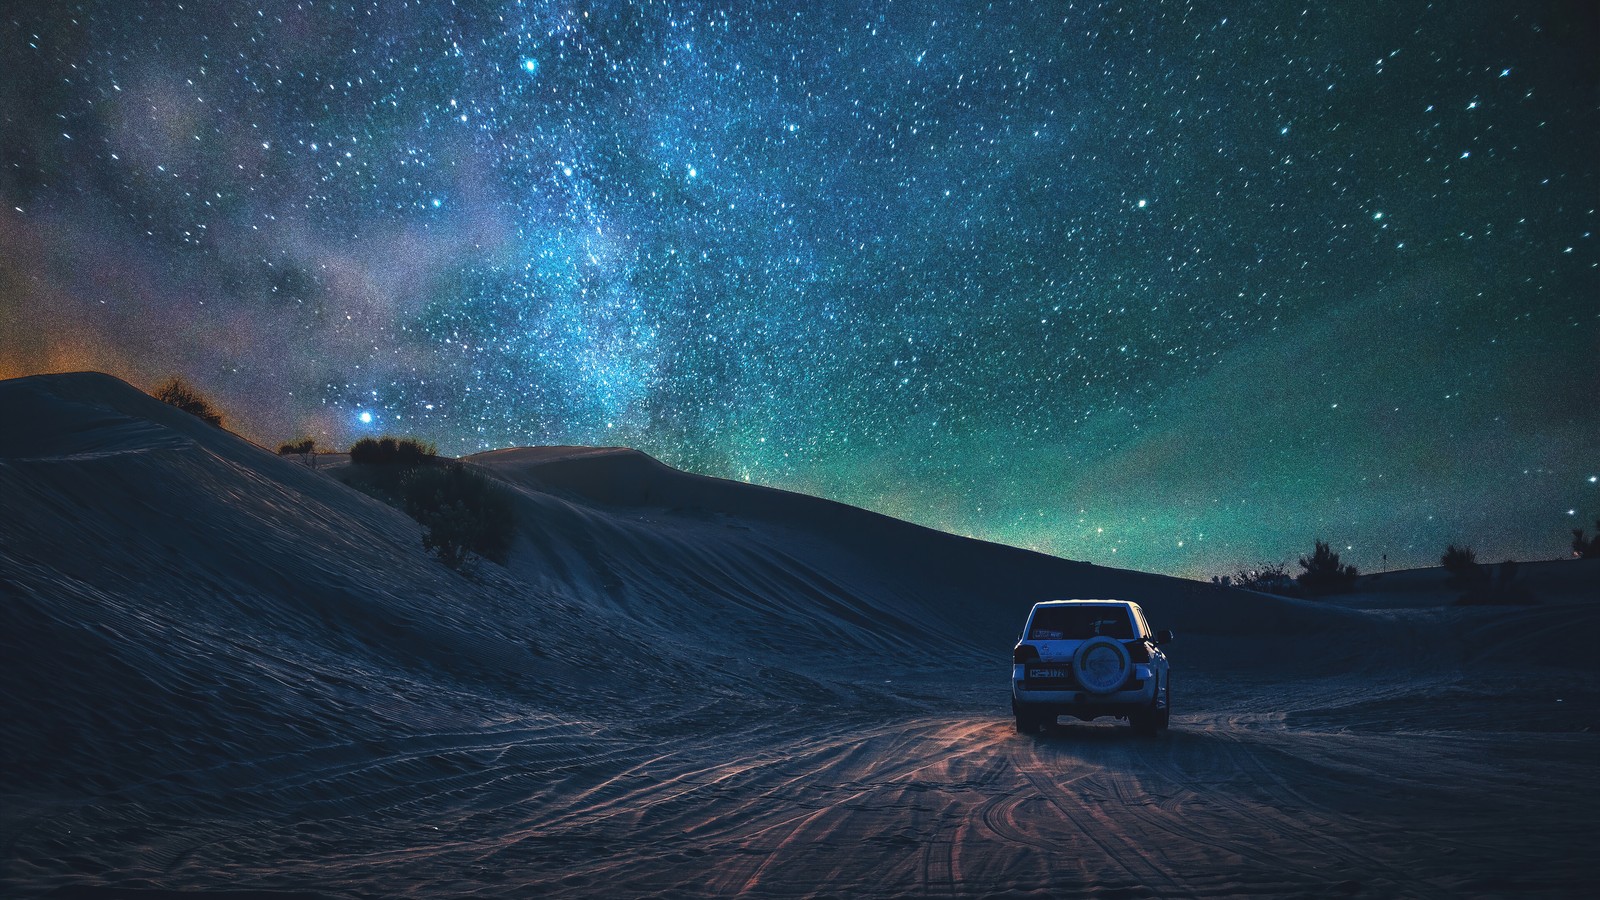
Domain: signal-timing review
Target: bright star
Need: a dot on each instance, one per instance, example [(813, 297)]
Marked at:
[(366, 418), (530, 65)]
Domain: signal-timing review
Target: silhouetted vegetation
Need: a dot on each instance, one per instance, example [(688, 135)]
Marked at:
[(1267, 578), (1586, 548), (1480, 583), (1323, 574), (304, 447), (1462, 564), (177, 392), (390, 451), (1458, 559), (462, 511)]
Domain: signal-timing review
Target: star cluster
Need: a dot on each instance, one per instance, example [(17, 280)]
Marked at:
[(1168, 285)]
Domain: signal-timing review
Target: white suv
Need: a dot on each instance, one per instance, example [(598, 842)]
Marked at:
[(1090, 658)]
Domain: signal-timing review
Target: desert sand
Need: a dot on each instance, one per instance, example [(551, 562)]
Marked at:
[(226, 674)]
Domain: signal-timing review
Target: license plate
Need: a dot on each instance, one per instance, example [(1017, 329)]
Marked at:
[(1048, 673)]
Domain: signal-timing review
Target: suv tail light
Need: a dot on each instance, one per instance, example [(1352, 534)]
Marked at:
[(1138, 651), (1024, 653)]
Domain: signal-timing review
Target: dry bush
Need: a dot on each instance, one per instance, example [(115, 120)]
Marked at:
[(1323, 574), (462, 511), (391, 451), (177, 392)]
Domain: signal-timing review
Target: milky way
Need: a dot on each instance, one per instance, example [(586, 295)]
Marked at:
[(1171, 286)]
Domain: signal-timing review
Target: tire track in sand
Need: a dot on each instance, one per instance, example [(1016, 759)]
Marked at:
[(1104, 832)]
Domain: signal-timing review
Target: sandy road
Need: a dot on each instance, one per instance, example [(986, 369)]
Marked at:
[(968, 808), (1224, 805)]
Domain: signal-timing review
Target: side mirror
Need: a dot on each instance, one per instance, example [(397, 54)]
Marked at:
[(1164, 636)]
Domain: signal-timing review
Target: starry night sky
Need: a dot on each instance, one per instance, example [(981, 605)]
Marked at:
[(1171, 286)]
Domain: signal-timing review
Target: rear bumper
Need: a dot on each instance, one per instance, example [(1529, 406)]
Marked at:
[(1086, 709), (1137, 696)]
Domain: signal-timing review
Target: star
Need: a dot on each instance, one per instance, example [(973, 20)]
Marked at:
[(883, 260)]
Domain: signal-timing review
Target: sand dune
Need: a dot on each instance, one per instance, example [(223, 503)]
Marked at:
[(223, 671)]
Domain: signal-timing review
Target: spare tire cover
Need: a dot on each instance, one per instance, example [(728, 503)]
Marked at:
[(1101, 665)]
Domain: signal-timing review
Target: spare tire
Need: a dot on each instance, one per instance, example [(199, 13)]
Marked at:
[(1101, 665)]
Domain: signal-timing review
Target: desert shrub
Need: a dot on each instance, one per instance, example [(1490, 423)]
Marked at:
[(462, 511), (1458, 559), (1267, 578), (391, 451), (177, 392), (299, 445), (370, 452), (412, 452), (1462, 564), (1323, 574), (1586, 548)]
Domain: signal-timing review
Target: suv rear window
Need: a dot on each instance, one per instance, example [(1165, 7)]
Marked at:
[(1076, 623)]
